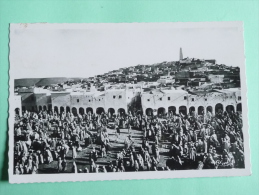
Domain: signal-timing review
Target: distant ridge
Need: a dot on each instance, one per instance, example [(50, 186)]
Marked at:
[(41, 81), (51, 81), (26, 82)]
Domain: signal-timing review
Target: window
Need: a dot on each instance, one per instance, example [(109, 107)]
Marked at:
[(148, 100), (99, 99), (160, 99), (185, 97), (205, 99), (239, 97), (114, 97), (193, 99), (77, 100), (169, 98), (119, 96), (89, 100)]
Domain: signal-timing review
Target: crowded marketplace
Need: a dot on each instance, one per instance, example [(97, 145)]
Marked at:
[(51, 142)]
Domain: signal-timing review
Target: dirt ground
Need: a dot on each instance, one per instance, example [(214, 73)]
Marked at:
[(82, 159)]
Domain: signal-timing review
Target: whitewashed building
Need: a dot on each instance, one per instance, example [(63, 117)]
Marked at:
[(180, 101), (161, 101), (17, 104), (166, 79), (113, 100)]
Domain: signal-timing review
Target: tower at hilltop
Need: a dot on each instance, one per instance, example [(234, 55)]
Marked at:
[(181, 54)]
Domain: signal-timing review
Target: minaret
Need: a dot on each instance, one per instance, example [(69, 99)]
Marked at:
[(181, 54)]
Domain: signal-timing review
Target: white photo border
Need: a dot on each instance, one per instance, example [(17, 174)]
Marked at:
[(128, 175)]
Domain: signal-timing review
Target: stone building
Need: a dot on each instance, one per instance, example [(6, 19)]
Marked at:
[(35, 99), (113, 100)]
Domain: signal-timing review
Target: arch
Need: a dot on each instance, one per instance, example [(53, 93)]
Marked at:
[(160, 111), (40, 108), (56, 109), (111, 112), (239, 107), (172, 109), (67, 109), (81, 111), (218, 108), (149, 112), (200, 110), (89, 110), (62, 109), (99, 110), (45, 108), (191, 109), (17, 111), (230, 108), (121, 111), (209, 109), (74, 111), (183, 110)]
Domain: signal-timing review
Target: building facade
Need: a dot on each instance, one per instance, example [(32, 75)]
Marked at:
[(180, 101), (119, 99), (35, 99)]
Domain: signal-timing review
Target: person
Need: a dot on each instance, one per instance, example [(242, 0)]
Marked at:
[(104, 169), (74, 167), (49, 157), (116, 136), (86, 170), (157, 155), (213, 140), (128, 142), (64, 165), (59, 168), (118, 130), (92, 166), (16, 171), (74, 153), (93, 154), (103, 151), (129, 128)]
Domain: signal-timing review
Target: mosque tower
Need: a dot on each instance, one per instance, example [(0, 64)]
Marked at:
[(181, 54)]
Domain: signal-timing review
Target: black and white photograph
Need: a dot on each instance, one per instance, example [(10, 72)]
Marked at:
[(127, 101)]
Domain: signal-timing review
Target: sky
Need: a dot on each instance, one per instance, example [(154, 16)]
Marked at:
[(84, 50)]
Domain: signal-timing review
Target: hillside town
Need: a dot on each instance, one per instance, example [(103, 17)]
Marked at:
[(189, 77), (184, 114)]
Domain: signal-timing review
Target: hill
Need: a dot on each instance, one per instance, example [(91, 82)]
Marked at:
[(42, 81), (51, 81), (26, 82)]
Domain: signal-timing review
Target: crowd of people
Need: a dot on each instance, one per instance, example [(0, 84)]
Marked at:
[(192, 141)]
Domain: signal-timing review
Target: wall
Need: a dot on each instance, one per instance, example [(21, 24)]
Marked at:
[(180, 98), (42, 100), (59, 99), (116, 99), (160, 100), (17, 103)]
